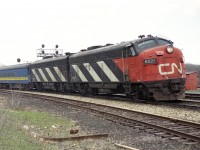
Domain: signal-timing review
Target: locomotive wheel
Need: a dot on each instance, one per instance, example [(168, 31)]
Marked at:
[(93, 91), (85, 89)]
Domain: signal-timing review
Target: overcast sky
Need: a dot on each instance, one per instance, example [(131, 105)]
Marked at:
[(76, 24)]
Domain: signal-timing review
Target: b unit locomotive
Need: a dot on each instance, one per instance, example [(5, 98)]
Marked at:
[(50, 74), (146, 68)]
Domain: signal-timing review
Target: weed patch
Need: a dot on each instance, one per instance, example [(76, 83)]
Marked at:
[(22, 129)]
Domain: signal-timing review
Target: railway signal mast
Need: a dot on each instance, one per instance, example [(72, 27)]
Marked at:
[(49, 53)]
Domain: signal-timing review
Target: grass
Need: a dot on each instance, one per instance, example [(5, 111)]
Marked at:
[(21, 129)]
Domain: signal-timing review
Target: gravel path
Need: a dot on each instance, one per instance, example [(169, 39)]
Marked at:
[(89, 124)]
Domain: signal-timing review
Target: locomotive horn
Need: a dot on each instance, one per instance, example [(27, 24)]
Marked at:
[(141, 36)]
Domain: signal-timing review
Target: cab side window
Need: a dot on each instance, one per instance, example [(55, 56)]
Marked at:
[(129, 51), (146, 44), (132, 51)]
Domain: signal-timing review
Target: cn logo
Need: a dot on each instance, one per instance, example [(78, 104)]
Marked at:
[(173, 66)]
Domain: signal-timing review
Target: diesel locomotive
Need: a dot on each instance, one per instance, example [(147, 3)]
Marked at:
[(146, 68)]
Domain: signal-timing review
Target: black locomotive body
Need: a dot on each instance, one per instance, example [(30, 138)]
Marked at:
[(51, 73), (93, 70)]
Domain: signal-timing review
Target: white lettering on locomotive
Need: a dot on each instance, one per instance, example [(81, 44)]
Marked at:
[(173, 65)]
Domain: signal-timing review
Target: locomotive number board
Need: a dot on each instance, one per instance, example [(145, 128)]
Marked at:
[(150, 61)]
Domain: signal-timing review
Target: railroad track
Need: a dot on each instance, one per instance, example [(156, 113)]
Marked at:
[(183, 103), (194, 96), (182, 131), (187, 104)]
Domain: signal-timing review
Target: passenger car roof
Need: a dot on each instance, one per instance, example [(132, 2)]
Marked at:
[(17, 66)]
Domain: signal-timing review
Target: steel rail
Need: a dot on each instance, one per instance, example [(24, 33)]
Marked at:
[(126, 120)]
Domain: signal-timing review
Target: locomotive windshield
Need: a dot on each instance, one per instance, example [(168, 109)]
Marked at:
[(164, 42), (150, 43), (146, 44)]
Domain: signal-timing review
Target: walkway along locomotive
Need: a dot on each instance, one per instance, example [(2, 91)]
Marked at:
[(145, 68)]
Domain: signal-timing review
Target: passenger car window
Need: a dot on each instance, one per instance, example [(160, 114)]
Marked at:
[(146, 44), (163, 42)]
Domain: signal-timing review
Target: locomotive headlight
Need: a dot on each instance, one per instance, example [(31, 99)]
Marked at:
[(170, 49)]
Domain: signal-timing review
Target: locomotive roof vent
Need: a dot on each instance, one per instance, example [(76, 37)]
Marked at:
[(47, 57), (94, 47), (141, 36), (109, 44), (83, 50), (68, 53)]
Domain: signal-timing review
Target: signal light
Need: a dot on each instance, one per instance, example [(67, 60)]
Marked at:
[(18, 60)]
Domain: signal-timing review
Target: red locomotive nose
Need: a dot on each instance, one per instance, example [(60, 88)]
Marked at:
[(159, 64), (155, 70)]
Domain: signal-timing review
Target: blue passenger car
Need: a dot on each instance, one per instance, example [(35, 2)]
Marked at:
[(16, 76)]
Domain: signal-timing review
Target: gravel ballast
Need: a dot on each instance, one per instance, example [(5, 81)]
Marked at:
[(89, 124), (161, 110)]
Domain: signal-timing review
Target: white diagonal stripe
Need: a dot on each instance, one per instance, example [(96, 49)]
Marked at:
[(59, 73), (92, 72), (50, 74), (107, 71), (35, 74), (43, 75), (79, 72)]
